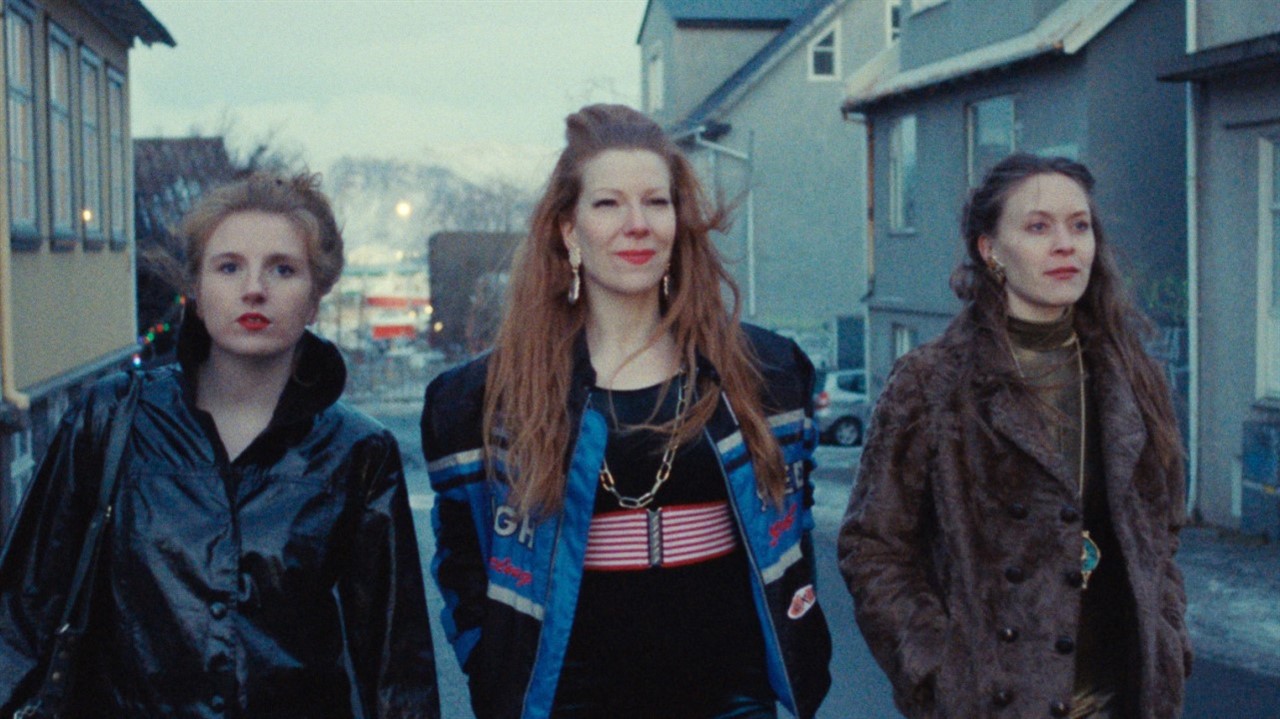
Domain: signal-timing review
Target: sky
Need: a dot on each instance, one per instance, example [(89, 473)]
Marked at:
[(481, 86)]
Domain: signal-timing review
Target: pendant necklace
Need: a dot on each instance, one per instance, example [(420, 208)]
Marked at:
[(1090, 554)]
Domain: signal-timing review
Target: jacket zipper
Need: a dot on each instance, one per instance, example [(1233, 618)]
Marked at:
[(751, 557)]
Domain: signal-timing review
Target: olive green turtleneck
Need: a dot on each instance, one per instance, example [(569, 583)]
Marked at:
[(1048, 360)]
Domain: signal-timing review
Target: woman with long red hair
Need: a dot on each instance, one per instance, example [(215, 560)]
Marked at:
[(622, 505)]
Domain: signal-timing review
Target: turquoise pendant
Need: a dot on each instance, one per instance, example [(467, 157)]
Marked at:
[(1090, 556)]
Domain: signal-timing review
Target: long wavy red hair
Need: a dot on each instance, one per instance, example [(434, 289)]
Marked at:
[(530, 370)]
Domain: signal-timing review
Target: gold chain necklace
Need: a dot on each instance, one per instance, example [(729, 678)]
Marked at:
[(1090, 554), (664, 468)]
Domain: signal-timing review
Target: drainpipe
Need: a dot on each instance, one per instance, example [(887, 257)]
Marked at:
[(1193, 304), (11, 394), (1193, 277)]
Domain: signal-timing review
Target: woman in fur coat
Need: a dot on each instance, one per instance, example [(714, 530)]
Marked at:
[(1010, 541)]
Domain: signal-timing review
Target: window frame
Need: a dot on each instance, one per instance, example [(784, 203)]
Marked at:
[(63, 236), (655, 88), (832, 31), (903, 176), (24, 235), (118, 225), (91, 150), (972, 116), (903, 338)]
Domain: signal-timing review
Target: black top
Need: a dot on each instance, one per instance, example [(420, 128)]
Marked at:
[(645, 641)]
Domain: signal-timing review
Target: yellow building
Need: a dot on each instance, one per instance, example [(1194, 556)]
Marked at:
[(67, 255)]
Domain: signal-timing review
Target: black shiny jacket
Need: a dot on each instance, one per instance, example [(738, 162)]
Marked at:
[(228, 588)]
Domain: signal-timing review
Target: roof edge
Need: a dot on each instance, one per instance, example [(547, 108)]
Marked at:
[(1256, 53), (1066, 30)]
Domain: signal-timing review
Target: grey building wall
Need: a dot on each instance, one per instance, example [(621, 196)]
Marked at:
[(1137, 147), (703, 58), (695, 60), (1233, 114), (957, 26)]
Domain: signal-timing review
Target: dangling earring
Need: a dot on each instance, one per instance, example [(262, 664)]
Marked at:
[(666, 285), (575, 261), (997, 270)]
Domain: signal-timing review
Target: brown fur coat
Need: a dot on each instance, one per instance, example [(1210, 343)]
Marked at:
[(955, 489)]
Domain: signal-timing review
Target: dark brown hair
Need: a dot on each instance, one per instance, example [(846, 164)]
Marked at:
[(1105, 316), (529, 374)]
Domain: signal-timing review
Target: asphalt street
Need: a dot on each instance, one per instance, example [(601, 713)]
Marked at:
[(859, 689)]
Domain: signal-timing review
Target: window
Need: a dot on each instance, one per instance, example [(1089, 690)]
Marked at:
[(655, 79), (902, 174), (61, 204), (992, 132), (117, 177), (894, 19), (824, 55), (90, 149), (20, 63), (1268, 351), (904, 340)]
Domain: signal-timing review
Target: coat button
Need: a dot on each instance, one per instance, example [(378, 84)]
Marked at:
[(1060, 709), (1002, 698), (1075, 578), (1018, 511), (220, 663), (1008, 635), (1069, 514), (1015, 574), (1064, 645), (218, 610)]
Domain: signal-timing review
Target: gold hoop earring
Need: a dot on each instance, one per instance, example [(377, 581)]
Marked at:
[(997, 270), (575, 261)]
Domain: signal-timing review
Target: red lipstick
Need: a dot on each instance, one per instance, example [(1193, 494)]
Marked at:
[(253, 321), (637, 257)]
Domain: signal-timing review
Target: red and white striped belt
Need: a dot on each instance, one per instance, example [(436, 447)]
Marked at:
[(671, 536)]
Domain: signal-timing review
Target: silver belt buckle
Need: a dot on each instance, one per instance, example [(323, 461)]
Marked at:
[(653, 517)]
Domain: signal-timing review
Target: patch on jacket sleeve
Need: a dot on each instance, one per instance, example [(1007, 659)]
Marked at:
[(802, 601)]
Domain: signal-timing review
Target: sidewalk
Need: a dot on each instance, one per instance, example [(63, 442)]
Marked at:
[(1233, 597)]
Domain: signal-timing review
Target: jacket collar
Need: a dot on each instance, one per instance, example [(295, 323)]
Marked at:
[(316, 384), (1014, 415)]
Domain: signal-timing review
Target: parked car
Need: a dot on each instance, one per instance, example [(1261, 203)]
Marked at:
[(840, 406)]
